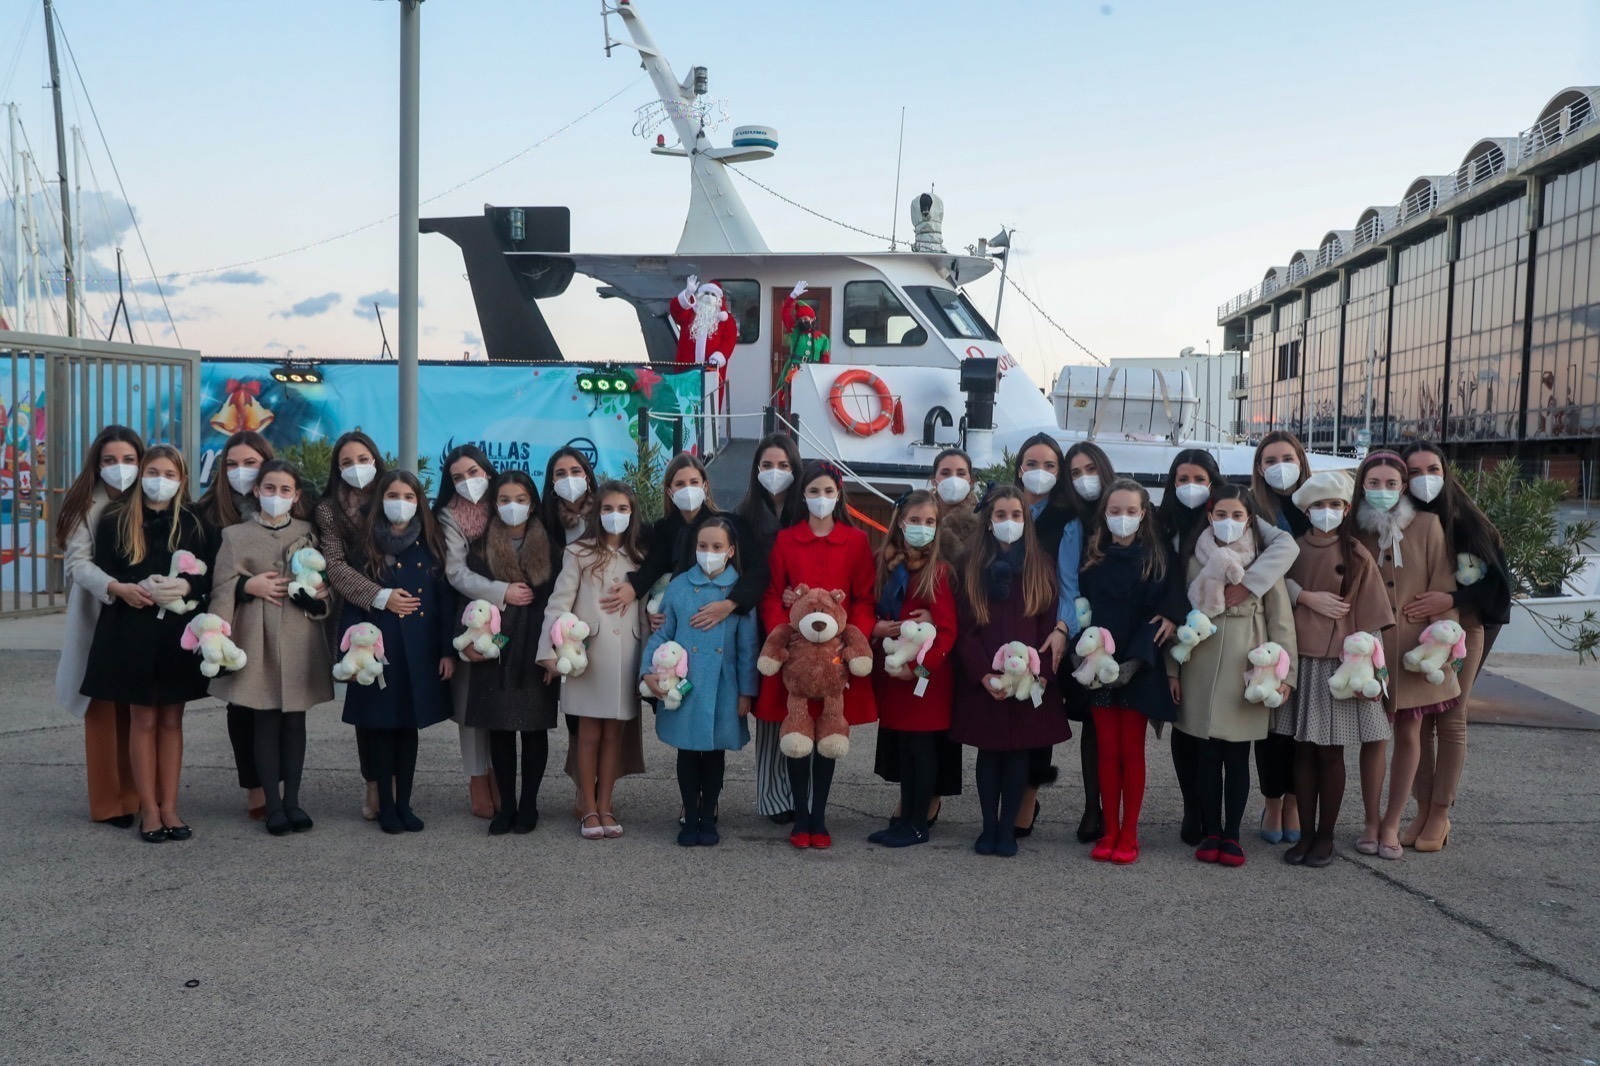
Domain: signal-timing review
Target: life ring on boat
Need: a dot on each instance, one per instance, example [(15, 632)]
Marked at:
[(889, 413)]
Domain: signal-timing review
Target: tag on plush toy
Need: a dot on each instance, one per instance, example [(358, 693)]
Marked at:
[(922, 680), (1038, 697), (684, 688), (501, 640)]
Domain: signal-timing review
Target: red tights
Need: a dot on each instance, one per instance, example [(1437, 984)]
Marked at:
[(1121, 735)]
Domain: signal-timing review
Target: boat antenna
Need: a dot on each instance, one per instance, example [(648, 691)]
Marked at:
[(122, 306), (385, 353), (900, 154)]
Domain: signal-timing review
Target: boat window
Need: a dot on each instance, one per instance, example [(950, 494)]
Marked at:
[(741, 298), (951, 312), (874, 317)]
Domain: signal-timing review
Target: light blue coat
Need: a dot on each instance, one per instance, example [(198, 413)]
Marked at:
[(722, 666)]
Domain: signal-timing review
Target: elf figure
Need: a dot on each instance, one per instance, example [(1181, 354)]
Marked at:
[(806, 344)]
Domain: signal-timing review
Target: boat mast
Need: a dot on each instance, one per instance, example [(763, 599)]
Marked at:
[(18, 289), (61, 171)]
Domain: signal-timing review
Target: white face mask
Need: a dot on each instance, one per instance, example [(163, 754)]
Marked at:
[(775, 480), (954, 489), (1122, 525), (243, 478), (1088, 486), (571, 489), (513, 514), (1283, 476), (1008, 532), (1193, 495), (473, 488), (1326, 519), (821, 506), (399, 510), (1038, 482), (120, 476), (711, 562), (689, 498), (1227, 530), (159, 489), (276, 506), (615, 521), (1426, 487), (359, 475)]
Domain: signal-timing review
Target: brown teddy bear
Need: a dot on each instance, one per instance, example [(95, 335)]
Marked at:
[(814, 649)]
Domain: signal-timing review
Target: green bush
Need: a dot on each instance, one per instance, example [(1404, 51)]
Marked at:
[(644, 475)]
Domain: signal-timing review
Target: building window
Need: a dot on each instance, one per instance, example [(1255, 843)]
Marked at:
[(741, 298), (1288, 360), (874, 317), (951, 313)]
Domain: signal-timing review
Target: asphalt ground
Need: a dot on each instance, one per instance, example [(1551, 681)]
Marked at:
[(347, 946)]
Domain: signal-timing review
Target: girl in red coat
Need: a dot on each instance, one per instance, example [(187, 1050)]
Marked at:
[(824, 551), (914, 703)]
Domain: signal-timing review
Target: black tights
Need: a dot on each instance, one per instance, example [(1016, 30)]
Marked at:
[(503, 760), (919, 772), (279, 741), (700, 776), (811, 777), (1319, 783), (1002, 779), (1186, 767), (1223, 786), (394, 764), (364, 754), (1275, 762)]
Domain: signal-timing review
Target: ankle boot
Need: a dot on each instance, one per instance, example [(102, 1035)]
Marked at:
[(707, 834)]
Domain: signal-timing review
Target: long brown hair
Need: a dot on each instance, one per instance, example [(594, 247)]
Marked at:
[(971, 502), (1384, 458), (685, 461), (216, 504), (594, 536), (430, 536), (1466, 527), (756, 509), (553, 510), (80, 497), (1087, 510), (1095, 540), (820, 468), (1038, 574), (340, 494), (530, 563), (130, 517), (1269, 504), (895, 550)]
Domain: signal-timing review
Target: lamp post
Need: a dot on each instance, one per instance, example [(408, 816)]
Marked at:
[(1002, 241), (410, 73)]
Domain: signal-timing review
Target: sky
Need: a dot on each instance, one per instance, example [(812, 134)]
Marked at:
[(1154, 158)]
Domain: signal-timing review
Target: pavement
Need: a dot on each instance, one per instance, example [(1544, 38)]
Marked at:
[(347, 946)]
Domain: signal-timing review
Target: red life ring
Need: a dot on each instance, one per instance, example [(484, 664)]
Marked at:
[(886, 401)]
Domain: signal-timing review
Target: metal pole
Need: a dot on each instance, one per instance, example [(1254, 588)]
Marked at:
[(77, 212), (1372, 360), (61, 172), (410, 73), (35, 303), (19, 291), (998, 300)]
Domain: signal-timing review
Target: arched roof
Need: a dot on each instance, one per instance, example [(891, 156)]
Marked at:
[(1589, 95), (1486, 159), (1420, 196)]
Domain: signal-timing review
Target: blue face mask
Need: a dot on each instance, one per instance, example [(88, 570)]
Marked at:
[(1383, 499), (918, 536)]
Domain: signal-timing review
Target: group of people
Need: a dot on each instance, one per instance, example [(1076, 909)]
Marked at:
[(1179, 594)]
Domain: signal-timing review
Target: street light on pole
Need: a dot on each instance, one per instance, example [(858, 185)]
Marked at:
[(410, 75)]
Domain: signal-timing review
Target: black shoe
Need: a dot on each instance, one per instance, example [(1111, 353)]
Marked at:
[(121, 821), (883, 834), (299, 820), (1091, 827), (689, 835), (1022, 831), (278, 823), (179, 832), (157, 835), (389, 821), (409, 820), (1191, 832), (781, 818), (527, 820), (904, 836), (1299, 852), (501, 823), (708, 836)]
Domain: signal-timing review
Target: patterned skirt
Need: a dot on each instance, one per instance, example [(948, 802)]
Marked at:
[(1313, 716)]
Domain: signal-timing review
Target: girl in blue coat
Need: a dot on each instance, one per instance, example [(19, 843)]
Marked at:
[(402, 549), (721, 677)]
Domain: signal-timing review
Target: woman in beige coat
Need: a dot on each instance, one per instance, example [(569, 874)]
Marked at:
[(287, 669), (1209, 688)]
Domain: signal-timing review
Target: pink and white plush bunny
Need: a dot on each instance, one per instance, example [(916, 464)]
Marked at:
[(670, 664), (184, 564), (1361, 672), (567, 634), (1442, 645), (1018, 668), (208, 634), (1269, 669), (482, 620), (911, 646), (363, 660), (1096, 649)]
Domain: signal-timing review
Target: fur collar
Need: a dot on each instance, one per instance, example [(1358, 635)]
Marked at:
[(1390, 525)]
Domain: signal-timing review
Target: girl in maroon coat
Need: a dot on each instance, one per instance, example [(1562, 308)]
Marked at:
[(914, 705), (824, 551), (1008, 593)]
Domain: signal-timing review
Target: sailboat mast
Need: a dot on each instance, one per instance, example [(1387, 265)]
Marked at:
[(18, 289), (61, 171)]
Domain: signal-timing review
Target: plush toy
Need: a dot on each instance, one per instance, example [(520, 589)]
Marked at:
[(911, 645), (567, 634), (363, 660), (1196, 627), (1096, 648), (1469, 569), (657, 595), (208, 634), (184, 564), (482, 620), (1017, 667), (817, 649), (671, 665), (1442, 645), (308, 567), (1361, 672), (1269, 669), (1081, 607)]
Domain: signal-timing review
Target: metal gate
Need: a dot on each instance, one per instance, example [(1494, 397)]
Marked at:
[(56, 394)]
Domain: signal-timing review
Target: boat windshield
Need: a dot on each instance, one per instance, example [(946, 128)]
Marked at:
[(951, 312)]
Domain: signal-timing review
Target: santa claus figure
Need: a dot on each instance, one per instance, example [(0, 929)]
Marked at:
[(706, 332)]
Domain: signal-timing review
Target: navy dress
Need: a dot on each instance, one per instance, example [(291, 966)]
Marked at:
[(413, 696), (1122, 601)]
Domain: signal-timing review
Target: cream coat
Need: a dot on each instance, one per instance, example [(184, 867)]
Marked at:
[(88, 589), (610, 687)]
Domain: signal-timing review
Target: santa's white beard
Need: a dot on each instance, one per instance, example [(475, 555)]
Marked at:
[(707, 316)]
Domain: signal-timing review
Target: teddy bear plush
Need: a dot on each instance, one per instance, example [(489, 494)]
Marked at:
[(307, 567), (567, 634), (1361, 673), (1095, 650), (816, 649), (670, 666), (1017, 669), (363, 660), (910, 646), (1269, 669), (208, 634), (1196, 627), (1469, 569), (1442, 646), (184, 564), (482, 620)]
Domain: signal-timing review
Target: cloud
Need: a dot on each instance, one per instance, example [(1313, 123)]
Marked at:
[(469, 337), (386, 299), (311, 306), (234, 277)]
